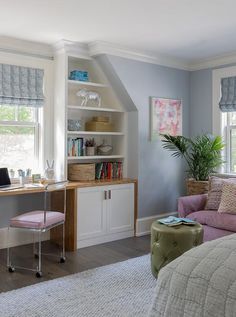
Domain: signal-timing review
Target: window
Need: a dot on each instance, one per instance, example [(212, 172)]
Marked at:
[(19, 137), (230, 140)]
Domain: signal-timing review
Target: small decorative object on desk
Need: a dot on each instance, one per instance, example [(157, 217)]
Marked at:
[(12, 173), (104, 149), (80, 75), (74, 125), (89, 98), (49, 171), (36, 178), (28, 172), (90, 147), (174, 221)]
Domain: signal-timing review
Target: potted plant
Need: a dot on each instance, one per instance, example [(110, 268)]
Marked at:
[(202, 155), (90, 147)]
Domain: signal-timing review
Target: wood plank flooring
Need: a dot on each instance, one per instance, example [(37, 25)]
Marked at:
[(78, 261)]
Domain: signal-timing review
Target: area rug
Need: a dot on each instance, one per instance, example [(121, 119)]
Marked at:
[(124, 289)]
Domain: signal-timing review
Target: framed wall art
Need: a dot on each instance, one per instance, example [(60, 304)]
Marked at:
[(166, 117)]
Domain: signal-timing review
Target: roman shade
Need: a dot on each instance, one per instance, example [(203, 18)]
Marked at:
[(21, 86), (228, 94)]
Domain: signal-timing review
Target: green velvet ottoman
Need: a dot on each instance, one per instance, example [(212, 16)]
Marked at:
[(167, 243)]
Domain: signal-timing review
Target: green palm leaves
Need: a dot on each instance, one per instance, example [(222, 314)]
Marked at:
[(202, 154)]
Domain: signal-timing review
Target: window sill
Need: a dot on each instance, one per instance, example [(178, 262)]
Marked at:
[(225, 175)]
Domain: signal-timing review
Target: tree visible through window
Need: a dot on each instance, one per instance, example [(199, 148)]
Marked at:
[(18, 137)]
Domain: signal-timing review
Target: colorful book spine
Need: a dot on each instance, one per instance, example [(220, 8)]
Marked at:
[(109, 170)]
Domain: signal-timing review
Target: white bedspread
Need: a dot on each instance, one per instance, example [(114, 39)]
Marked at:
[(200, 283)]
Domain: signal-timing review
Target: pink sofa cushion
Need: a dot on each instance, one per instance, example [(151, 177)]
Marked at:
[(214, 219), (35, 219)]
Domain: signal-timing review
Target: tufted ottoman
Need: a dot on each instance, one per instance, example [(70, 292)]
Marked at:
[(167, 243)]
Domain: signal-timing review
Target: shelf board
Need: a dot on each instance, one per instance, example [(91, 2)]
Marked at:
[(93, 133), (86, 83), (95, 157), (93, 108)]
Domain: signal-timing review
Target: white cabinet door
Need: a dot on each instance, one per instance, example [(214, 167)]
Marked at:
[(120, 210), (91, 213)]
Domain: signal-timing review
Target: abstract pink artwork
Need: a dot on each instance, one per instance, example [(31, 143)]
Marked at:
[(166, 117)]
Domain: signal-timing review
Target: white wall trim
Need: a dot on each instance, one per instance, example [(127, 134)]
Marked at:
[(18, 237), (100, 47), (84, 50), (24, 47), (104, 238), (143, 225)]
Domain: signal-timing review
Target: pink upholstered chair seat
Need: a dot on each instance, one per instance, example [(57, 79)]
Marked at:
[(35, 219)]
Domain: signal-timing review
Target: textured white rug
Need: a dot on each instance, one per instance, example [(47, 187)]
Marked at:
[(121, 290)]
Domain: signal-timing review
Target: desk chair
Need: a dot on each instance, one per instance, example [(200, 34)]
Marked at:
[(40, 221)]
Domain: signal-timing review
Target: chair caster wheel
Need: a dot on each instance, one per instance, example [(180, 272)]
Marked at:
[(39, 274), (11, 269), (62, 259)]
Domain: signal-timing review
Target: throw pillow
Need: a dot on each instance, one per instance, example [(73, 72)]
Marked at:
[(228, 198), (215, 191)]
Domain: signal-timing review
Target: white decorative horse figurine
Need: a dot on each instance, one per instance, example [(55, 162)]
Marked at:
[(91, 97)]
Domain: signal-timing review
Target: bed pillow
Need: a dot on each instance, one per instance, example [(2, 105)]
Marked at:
[(215, 191), (228, 198)]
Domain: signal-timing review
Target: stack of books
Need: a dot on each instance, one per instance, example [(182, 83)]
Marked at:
[(75, 146), (109, 170)]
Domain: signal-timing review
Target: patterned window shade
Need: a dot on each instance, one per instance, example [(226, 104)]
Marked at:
[(228, 94), (21, 86)]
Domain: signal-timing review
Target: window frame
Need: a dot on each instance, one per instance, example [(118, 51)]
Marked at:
[(220, 120), (45, 129), (32, 124)]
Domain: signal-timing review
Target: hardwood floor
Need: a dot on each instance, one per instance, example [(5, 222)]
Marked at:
[(78, 261)]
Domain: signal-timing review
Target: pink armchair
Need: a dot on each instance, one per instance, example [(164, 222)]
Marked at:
[(215, 224)]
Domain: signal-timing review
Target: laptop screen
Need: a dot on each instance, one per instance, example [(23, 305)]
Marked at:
[(4, 177)]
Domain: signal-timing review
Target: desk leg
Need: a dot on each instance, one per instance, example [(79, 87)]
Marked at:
[(71, 219)]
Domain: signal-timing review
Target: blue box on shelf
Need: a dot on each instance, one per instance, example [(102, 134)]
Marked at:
[(80, 75)]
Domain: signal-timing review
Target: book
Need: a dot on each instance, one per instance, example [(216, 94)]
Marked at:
[(172, 221)]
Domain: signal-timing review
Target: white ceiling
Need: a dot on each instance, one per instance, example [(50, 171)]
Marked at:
[(186, 29)]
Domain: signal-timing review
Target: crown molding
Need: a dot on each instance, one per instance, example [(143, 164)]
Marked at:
[(24, 47), (72, 48), (83, 50), (213, 62), (100, 47)]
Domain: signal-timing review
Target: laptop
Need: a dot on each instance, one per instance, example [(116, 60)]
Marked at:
[(5, 182)]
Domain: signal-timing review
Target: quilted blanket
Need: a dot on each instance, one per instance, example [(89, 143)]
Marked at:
[(200, 283)]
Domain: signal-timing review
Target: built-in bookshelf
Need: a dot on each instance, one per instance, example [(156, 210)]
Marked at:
[(68, 106)]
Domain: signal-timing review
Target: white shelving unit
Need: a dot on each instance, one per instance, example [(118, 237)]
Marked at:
[(67, 106), (86, 83), (94, 133), (95, 157)]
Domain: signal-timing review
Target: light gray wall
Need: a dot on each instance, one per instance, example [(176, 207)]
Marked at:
[(161, 177), (200, 102)]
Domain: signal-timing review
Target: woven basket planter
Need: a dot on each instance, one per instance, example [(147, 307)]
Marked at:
[(197, 187)]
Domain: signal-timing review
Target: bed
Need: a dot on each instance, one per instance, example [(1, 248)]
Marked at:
[(200, 283)]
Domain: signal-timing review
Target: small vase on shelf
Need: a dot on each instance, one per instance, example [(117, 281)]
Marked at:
[(90, 147)]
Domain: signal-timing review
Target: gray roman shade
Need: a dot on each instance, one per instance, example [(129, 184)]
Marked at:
[(21, 86), (228, 94)]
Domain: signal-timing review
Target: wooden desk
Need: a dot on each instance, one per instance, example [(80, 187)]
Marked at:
[(71, 206)]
